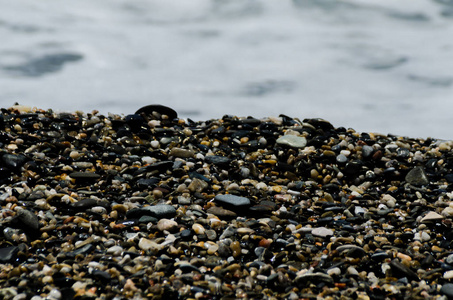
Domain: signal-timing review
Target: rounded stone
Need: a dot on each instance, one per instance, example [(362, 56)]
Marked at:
[(292, 141)]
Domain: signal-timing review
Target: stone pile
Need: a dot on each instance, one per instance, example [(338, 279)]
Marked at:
[(151, 206)]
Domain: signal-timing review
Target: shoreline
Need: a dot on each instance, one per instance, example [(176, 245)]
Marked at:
[(151, 206)]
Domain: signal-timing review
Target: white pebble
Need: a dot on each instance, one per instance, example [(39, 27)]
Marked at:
[(54, 294), (155, 144), (334, 271)]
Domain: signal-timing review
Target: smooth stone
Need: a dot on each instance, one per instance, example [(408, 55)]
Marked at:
[(430, 217), (293, 141), (85, 203), (367, 151), (232, 200), (147, 219), (184, 200), (161, 109), (166, 224), (147, 244), (322, 232), (8, 254), (115, 250), (449, 259), (211, 234), (145, 183), (401, 270), (102, 275), (84, 175), (83, 250), (217, 160), (181, 153), (221, 212), (417, 176), (448, 274), (352, 250), (342, 159), (161, 211), (13, 161), (27, 220), (447, 290), (334, 271)]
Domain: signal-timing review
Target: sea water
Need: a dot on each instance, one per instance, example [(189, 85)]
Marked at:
[(381, 66)]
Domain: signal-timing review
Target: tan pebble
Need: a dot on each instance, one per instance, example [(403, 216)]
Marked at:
[(404, 256), (236, 248), (157, 193), (448, 274), (213, 249), (166, 224), (47, 279), (245, 230), (198, 228), (283, 197), (187, 131), (436, 249), (277, 188)]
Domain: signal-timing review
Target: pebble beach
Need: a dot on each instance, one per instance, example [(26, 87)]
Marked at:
[(152, 206)]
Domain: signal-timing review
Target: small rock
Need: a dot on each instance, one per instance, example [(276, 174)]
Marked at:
[(417, 176), (447, 290), (322, 232), (292, 141), (182, 153), (217, 160), (166, 224), (232, 201), (401, 270), (146, 244), (8, 254), (431, 217), (221, 212)]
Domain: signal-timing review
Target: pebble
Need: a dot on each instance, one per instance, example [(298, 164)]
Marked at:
[(166, 224), (322, 232), (292, 141), (447, 290), (232, 201), (417, 176), (431, 217)]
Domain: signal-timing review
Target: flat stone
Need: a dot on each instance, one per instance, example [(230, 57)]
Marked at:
[(221, 212), (447, 290), (85, 203), (292, 141), (431, 217), (8, 254), (352, 250), (27, 220), (166, 224), (147, 244), (232, 201), (417, 176), (217, 160), (158, 211), (401, 270), (181, 153), (322, 232)]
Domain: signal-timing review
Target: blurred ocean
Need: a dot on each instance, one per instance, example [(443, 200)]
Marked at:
[(373, 65)]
